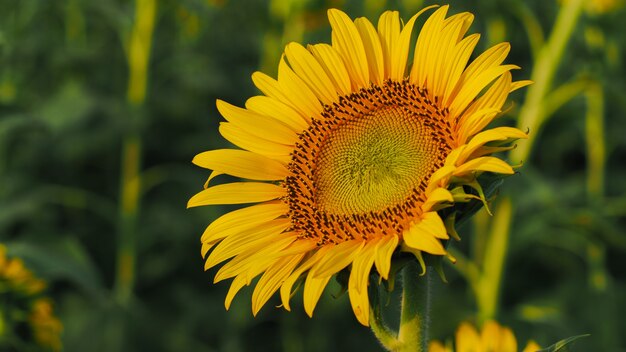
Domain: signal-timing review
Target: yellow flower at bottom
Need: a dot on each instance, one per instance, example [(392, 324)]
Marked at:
[(46, 327), (350, 154), (21, 296), (492, 338)]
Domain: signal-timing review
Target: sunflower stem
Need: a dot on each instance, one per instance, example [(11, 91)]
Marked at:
[(383, 333), (414, 317)]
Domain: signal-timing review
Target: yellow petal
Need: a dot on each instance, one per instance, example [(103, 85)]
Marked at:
[(440, 177), (238, 283), (243, 219), (508, 343), (262, 126), (273, 89), (531, 346), (520, 84), (237, 193), (389, 31), (384, 250), (491, 57), (436, 346), (347, 41), (333, 65), (439, 195), (433, 225), (423, 241), (373, 49), (239, 137), (311, 72), (427, 44), (400, 50), (285, 289), (452, 30), (338, 257), (298, 91), (255, 237), (467, 339), (272, 279), (267, 106), (494, 134), (357, 283), (462, 52), (242, 163), (485, 163), (468, 123), (473, 87), (256, 259), (313, 288)]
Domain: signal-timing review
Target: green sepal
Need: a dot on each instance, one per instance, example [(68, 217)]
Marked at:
[(342, 278), (563, 345), (437, 263), (398, 261), (450, 224), (489, 184)]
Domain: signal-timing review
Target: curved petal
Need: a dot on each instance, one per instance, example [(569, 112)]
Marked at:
[(384, 250), (260, 125), (485, 163), (347, 41), (357, 283), (338, 257), (275, 108), (241, 163), (427, 44), (389, 31), (237, 193), (285, 289), (311, 72), (239, 137), (299, 92), (256, 237), (313, 288), (272, 279), (334, 67), (242, 219), (373, 49), (400, 50)]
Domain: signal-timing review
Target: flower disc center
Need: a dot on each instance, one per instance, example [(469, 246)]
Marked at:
[(373, 161), (362, 169)]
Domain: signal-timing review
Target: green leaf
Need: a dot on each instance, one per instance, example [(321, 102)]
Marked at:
[(65, 259), (563, 345)]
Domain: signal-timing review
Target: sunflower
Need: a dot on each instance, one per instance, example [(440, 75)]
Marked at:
[(350, 155), (492, 338)]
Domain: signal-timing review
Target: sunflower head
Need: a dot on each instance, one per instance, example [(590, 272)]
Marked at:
[(351, 152)]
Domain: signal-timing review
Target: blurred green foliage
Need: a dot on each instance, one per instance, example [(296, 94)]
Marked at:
[(64, 116)]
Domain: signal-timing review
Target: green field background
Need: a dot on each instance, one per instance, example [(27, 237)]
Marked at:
[(92, 175)]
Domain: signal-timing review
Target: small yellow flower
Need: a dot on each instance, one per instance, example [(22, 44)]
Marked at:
[(46, 327), (17, 276), (492, 338), (351, 152), (23, 290)]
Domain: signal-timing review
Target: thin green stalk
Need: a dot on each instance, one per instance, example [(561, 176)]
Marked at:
[(414, 317), (138, 56), (532, 114), (594, 133), (128, 211), (488, 288)]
